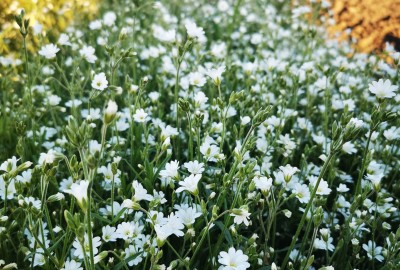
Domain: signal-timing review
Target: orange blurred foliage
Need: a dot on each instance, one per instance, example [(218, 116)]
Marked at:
[(372, 22)]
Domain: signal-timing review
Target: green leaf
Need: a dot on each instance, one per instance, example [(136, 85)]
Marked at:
[(53, 247), (225, 231), (97, 216)]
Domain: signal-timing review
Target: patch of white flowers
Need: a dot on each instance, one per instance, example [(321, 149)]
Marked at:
[(195, 135)]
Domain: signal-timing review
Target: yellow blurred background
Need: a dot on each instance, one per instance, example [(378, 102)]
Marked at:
[(45, 16)]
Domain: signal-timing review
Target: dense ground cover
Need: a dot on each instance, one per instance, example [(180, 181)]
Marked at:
[(197, 135)]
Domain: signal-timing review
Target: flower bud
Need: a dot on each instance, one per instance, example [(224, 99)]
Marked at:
[(24, 166), (56, 197), (100, 256), (166, 144), (10, 266), (111, 112)]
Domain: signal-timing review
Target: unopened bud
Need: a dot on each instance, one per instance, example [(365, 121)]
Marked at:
[(56, 197), (110, 112)]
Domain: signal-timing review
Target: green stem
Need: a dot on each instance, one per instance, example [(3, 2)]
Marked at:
[(5, 198), (103, 140), (112, 197), (310, 202), (85, 260), (364, 161), (176, 93), (27, 68), (236, 163), (310, 250), (177, 254), (89, 231), (190, 137), (89, 223), (203, 237)]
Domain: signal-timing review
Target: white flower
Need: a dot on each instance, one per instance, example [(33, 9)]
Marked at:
[(31, 202), (140, 116), (94, 147), (162, 232), (241, 216), (73, 103), (323, 188), (140, 193), (118, 209), (218, 50), (72, 265), (302, 192), (320, 243), (188, 215), (392, 133), (79, 191), (245, 120), (10, 189), (47, 158), (25, 177), (64, 40), (172, 225), (126, 230), (288, 171), (164, 35), (95, 25), (154, 96), (383, 89), (263, 183), (216, 74), (37, 28), (210, 151), (194, 167), (197, 79), (168, 131), (132, 250), (133, 88), (87, 52), (79, 250), (175, 225), (375, 179), (349, 148), (39, 257), (373, 251), (159, 196), (9, 165), (170, 171), (49, 51), (57, 229), (190, 184), (233, 260), (357, 123), (342, 203), (200, 99), (109, 18), (194, 31), (100, 81), (342, 188), (128, 203), (53, 100)]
